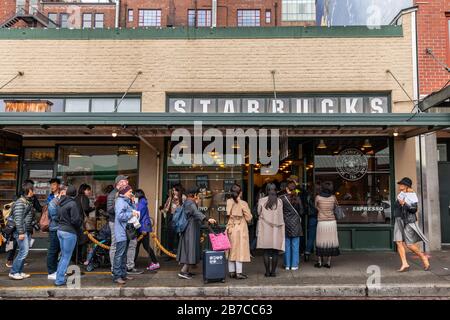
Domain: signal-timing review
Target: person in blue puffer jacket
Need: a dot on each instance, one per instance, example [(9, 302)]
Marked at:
[(145, 230)]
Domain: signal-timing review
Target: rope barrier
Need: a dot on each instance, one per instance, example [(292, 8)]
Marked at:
[(153, 236)]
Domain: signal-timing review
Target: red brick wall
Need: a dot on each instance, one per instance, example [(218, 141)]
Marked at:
[(7, 9), (433, 34), (175, 12), (77, 10)]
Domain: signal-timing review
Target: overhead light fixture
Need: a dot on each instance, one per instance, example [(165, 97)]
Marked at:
[(367, 144), (114, 134), (322, 144), (395, 133)]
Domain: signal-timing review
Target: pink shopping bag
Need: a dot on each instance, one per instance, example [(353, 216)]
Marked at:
[(219, 241)]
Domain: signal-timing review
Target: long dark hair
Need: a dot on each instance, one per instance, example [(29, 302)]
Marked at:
[(326, 188), (180, 191), (83, 187), (140, 194), (271, 191), (235, 192)]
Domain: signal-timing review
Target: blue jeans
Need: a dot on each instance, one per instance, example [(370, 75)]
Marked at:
[(120, 260), (53, 252), (292, 253), (67, 242), (24, 247), (312, 227)]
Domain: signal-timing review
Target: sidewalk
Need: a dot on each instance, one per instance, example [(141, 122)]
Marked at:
[(347, 278)]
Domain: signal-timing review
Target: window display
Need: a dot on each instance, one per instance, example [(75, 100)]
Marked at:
[(8, 177), (97, 166), (359, 169)]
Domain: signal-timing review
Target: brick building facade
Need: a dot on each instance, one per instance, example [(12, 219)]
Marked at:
[(167, 13), (433, 21)]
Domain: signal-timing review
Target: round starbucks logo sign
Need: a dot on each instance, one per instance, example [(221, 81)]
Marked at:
[(351, 164)]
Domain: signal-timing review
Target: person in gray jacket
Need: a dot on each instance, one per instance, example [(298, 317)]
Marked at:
[(23, 217), (120, 183)]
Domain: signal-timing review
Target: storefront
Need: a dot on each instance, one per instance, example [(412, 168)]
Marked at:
[(331, 92)]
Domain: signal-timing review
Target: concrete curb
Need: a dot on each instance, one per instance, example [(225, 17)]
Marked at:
[(410, 290), (309, 291)]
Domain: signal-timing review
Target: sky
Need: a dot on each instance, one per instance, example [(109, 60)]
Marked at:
[(361, 12)]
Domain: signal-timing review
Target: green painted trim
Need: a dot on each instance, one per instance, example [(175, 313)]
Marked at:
[(242, 119), (202, 33)]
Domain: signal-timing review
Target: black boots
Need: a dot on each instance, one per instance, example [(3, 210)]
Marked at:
[(274, 265), (267, 264)]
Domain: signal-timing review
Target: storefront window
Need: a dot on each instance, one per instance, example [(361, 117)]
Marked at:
[(213, 181), (97, 165), (359, 169)]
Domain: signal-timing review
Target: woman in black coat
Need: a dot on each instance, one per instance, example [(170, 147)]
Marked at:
[(292, 212)]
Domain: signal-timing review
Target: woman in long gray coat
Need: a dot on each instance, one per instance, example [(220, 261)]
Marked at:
[(189, 246)]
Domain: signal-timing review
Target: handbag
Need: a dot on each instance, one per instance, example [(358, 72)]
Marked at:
[(339, 213), (219, 241), (130, 231), (293, 208), (44, 221)]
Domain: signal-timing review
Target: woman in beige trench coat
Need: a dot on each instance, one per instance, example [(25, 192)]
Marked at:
[(239, 216), (271, 229)]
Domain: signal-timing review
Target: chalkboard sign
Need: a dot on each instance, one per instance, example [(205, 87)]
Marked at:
[(227, 184), (202, 181), (174, 178)]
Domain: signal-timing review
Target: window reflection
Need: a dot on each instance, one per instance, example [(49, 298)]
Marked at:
[(359, 170)]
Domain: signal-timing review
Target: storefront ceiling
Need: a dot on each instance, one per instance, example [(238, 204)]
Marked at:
[(162, 124)]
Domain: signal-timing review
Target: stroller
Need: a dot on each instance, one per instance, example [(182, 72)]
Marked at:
[(99, 257)]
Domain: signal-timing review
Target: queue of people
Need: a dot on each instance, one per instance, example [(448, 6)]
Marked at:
[(279, 228), (68, 209)]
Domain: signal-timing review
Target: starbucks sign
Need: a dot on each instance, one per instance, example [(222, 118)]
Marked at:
[(295, 103), (351, 164)]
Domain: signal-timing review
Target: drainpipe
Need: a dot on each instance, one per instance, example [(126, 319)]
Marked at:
[(276, 13), (117, 13), (214, 13)]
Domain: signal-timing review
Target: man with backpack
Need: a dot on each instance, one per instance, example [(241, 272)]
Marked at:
[(22, 216)]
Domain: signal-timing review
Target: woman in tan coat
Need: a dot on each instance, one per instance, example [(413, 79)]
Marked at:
[(239, 216), (271, 229)]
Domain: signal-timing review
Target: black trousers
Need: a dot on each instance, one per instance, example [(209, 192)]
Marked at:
[(172, 237), (146, 244)]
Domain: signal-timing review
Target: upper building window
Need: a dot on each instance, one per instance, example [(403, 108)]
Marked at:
[(203, 18), (268, 16), (249, 18), (149, 18), (64, 20), (87, 20), (298, 10), (53, 17), (130, 15), (99, 20)]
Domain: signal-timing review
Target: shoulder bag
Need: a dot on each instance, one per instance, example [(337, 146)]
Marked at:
[(339, 213)]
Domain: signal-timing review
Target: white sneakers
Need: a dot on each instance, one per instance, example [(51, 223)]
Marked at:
[(294, 268), (19, 276), (52, 276)]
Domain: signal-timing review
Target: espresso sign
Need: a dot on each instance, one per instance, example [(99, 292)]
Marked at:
[(307, 104)]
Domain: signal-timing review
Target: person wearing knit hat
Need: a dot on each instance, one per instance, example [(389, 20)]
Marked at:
[(125, 209), (120, 182)]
